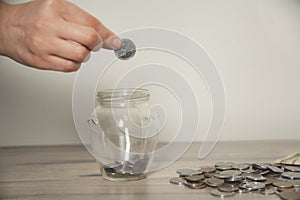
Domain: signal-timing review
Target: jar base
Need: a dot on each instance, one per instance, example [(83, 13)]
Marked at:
[(124, 177), (112, 175)]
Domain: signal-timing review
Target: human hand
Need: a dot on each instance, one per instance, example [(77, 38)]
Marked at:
[(51, 34)]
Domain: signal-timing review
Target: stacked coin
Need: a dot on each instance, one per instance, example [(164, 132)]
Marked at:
[(228, 178)]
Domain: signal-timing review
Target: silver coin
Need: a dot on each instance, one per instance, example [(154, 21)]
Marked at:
[(269, 191), (219, 193), (228, 188), (250, 170), (222, 175), (214, 182), (275, 169), (234, 179), (228, 164), (227, 174), (296, 183), (128, 164), (255, 185), (261, 165), (292, 168), (243, 190), (232, 172), (185, 171), (256, 177), (241, 166), (281, 178), (194, 178), (243, 186), (178, 181), (264, 172), (188, 172), (127, 49), (282, 184), (116, 165), (134, 158), (290, 195), (207, 169), (268, 181), (140, 165), (195, 185), (208, 175), (224, 165), (291, 175)]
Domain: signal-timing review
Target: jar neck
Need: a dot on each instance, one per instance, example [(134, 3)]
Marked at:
[(123, 97), (121, 104)]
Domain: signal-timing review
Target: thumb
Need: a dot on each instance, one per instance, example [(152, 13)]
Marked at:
[(110, 40)]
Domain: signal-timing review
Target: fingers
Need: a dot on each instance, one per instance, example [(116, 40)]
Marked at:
[(70, 50), (63, 55), (57, 63), (53, 62), (81, 34), (109, 39)]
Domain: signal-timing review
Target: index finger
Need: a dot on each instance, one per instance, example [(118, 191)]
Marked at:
[(77, 15)]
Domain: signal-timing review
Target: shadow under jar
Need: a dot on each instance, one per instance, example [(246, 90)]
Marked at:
[(123, 133)]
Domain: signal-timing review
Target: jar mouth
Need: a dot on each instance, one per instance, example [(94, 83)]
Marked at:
[(123, 94)]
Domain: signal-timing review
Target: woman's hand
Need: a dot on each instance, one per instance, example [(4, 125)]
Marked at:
[(51, 34)]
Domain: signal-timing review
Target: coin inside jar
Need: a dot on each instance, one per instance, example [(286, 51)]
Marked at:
[(127, 50)]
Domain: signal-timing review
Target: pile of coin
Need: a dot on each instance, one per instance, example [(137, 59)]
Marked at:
[(135, 166), (227, 179)]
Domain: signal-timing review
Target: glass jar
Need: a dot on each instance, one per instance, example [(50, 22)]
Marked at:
[(123, 133)]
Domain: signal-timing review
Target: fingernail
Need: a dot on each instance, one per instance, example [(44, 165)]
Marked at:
[(98, 47), (117, 43)]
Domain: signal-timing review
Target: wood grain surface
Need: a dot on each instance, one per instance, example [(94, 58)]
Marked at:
[(69, 172)]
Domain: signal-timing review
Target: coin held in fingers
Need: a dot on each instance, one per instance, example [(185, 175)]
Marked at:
[(127, 49)]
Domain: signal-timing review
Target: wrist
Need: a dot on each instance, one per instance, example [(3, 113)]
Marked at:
[(5, 13)]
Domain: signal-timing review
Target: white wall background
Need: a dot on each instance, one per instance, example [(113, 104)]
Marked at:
[(255, 44)]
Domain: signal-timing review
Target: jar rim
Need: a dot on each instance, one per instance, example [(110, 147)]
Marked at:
[(123, 94)]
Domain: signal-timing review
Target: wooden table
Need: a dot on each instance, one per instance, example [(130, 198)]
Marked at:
[(69, 172)]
